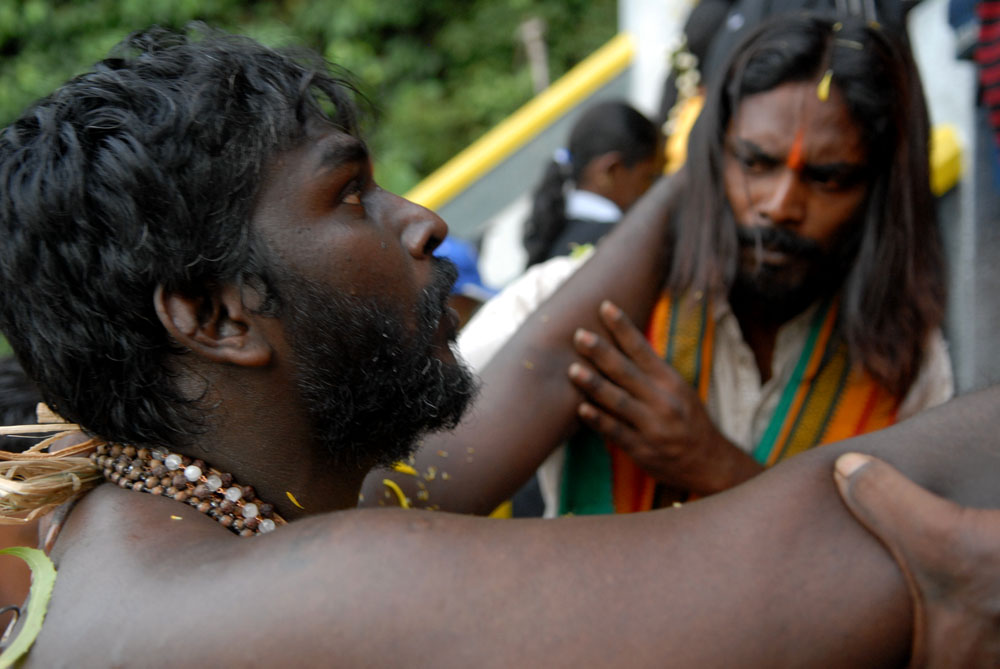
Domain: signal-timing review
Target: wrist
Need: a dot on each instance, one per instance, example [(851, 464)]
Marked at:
[(732, 466)]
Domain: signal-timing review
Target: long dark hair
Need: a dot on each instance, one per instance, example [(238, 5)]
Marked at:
[(603, 128), (894, 294)]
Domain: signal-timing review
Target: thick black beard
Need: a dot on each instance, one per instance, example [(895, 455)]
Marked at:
[(370, 387), (774, 297)]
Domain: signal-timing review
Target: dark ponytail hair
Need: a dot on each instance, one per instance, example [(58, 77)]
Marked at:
[(603, 128)]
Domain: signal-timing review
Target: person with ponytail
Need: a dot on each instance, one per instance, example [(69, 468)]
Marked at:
[(614, 155)]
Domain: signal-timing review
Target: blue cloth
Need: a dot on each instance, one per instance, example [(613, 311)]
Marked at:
[(465, 257)]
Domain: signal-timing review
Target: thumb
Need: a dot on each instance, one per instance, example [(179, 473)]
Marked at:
[(890, 505), (910, 521)]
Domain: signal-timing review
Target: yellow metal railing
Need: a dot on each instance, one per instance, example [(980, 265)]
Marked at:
[(525, 124)]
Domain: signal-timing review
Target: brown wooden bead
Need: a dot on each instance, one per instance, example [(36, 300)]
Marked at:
[(250, 523), (226, 520), (158, 468), (246, 533), (265, 510), (123, 482), (143, 453), (116, 450), (225, 506), (158, 490), (181, 495), (204, 507), (227, 479), (129, 451), (138, 486), (238, 524), (179, 481), (249, 494), (201, 491)]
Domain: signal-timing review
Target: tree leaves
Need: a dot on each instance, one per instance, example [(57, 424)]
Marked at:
[(442, 72)]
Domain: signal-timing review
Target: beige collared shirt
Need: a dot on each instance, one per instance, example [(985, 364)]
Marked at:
[(738, 403)]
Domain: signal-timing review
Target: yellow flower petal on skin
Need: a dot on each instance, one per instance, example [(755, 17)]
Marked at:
[(294, 501), (404, 468), (391, 485)]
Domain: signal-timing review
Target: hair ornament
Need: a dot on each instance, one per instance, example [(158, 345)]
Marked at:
[(563, 158), (823, 89), (838, 26)]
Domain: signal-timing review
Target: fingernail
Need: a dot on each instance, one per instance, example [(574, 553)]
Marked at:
[(848, 463), (585, 337), (610, 309), (578, 372)]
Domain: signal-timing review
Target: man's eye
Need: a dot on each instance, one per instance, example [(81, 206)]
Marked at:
[(351, 194), (754, 163), (835, 180)]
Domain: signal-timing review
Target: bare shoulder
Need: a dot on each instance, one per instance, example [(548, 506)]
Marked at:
[(146, 581)]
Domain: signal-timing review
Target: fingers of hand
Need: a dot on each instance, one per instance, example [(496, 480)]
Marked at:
[(607, 426), (632, 342), (605, 394), (609, 361)]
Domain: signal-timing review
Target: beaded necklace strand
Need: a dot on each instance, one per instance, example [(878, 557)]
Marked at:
[(213, 493)]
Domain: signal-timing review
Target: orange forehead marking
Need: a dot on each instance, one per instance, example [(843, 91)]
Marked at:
[(795, 161)]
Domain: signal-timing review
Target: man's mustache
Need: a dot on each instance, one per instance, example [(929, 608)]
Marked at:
[(776, 239)]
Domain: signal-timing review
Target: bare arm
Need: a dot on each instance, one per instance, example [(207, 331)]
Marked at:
[(527, 405), (772, 573)]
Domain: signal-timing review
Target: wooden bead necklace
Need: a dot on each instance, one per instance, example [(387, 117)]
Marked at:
[(214, 493)]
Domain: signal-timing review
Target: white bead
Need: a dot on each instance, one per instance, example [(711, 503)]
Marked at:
[(250, 510), (233, 494), (192, 473), (213, 482), (159, 453), (266, 525), (172, 461)]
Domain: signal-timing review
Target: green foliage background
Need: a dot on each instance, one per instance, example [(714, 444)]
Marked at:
[(440, 72)]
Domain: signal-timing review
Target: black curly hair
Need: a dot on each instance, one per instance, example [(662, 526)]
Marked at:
[(139, 173)]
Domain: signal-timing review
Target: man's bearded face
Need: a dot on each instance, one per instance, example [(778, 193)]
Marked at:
[(370, 384)]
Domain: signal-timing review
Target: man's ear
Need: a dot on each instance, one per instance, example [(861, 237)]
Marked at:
[(215, 325)]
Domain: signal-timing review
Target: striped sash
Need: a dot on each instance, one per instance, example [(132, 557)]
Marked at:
[(826, 399)]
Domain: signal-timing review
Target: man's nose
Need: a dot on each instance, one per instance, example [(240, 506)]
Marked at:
[(420, 229), (785, 204)]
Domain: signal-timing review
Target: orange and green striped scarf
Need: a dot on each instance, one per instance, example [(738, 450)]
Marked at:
[(826, 399)]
